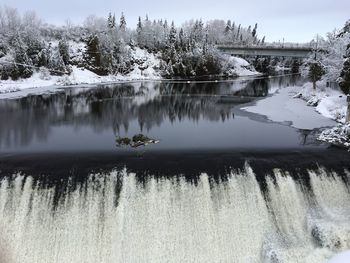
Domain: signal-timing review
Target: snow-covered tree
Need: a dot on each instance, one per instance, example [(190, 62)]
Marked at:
[(332, 55), (64, 51), (122, 24), (316, 71), (111, 21), (344, 80), (172, 34), (56, 64)]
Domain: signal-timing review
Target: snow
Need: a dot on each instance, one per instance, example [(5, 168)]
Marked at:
[(339, 135), (282, 107), (240, 67), (280, 68), (149, 64), (331, 103), (146, 68), (341, 258)]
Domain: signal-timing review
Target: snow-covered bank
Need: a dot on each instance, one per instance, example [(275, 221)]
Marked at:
[(282, 107), (339, 135), (332, 104), (329, 102), (146, 68), (240, 67), (324, 107)]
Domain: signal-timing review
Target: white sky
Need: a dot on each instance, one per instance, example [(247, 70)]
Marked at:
[(293, 20)]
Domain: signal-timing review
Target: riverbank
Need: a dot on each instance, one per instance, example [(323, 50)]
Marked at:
[(146, 68), (332, 104), (283, 107), (325, 107)]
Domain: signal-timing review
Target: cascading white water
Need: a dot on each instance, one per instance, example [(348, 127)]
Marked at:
[(172, 220)]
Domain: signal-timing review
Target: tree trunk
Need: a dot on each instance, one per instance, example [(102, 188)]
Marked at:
[(314, 84), (348, 111)]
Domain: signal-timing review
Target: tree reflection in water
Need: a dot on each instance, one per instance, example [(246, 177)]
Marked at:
[(116, 106)]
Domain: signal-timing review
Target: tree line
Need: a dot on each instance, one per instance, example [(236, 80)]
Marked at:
[(27, 43)]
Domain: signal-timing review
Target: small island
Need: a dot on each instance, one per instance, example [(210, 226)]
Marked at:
[(135, 142)]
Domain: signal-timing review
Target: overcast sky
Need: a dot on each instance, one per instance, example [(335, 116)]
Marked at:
[(293, 20)]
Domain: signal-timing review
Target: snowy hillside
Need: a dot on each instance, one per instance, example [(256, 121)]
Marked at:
[(103, 50), (146, 67)]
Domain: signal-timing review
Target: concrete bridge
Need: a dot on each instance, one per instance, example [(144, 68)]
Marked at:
[(267, 51)]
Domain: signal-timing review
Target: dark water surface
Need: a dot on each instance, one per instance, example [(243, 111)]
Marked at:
[(222, 185), (196, 122), (182, 116)]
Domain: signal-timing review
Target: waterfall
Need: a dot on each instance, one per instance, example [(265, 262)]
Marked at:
[(114, 217)]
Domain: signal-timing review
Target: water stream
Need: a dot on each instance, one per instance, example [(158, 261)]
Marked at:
[(114, 217)]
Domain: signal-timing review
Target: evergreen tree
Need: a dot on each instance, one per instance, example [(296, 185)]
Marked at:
[(295, 66), (238, 33), (172, 34), (24, 64), (254, 30), (64, 50), (111, 21), (316, 71), (182, 38), (122, 25), (139, 32), (344, 80), (228, 27), (56, 64), (249, 30), (43, 58), (93, 51)]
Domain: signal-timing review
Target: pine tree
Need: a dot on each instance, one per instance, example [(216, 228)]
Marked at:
[(56, 64), (64, 50), (238, 32), (139, 26), (344, 80), (316, 72), (43, 58), (254, 30), (228, 27), (93, 51), (122, 25), (182, 38), (172, 34), (23, 62), (139, 32), (296, 66), (111, 21)]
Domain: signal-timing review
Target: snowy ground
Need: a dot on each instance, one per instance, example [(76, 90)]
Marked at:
[(282, 107), (305, 108), (329, 102), (79, 76), (240, 67), (148, 62)]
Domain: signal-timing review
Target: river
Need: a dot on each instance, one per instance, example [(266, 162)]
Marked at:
[(222, 185)]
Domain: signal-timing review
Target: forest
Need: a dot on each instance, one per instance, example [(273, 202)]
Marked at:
[(105, 45)]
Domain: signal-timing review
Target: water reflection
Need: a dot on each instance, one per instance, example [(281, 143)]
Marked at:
[(124, 108)]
